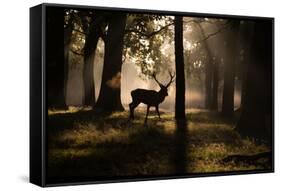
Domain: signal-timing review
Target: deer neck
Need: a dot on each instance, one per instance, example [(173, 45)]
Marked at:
[(161, 96)]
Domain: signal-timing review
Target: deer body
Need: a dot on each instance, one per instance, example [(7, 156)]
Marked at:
[(149, 97)]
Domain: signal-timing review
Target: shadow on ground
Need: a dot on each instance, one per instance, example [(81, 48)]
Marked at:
[(85, 145)]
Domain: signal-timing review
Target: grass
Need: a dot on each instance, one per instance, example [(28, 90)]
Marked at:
[(84, 144)]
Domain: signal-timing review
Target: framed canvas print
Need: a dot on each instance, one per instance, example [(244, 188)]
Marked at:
[(126, 94)]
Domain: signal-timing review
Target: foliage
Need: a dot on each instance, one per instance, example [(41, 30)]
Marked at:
[(202, 37), (145, 34)]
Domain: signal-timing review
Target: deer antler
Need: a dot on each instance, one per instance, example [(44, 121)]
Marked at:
[(154, 77), (172, 76)]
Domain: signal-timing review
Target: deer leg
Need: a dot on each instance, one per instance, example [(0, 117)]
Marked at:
[(132, 106), (157, 110), (147, 111)]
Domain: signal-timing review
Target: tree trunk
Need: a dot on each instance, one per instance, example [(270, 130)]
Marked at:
[(229, 69), (214, 104), (55, 57), (88, 80), (208, 82), (109, 98), (256, 117), (247, 40), (208, 69), (91, 42), (67, 40), (244, 79), (180, 79)]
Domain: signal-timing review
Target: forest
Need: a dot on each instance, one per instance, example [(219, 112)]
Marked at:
[(133, 94)]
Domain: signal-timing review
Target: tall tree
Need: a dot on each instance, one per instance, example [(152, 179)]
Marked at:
[(247, 29), (93, 32), (55, 57), (215, 80), (256, 116), (208, 66), (68, 29), (109, 98), (180, 79), (231, 56)]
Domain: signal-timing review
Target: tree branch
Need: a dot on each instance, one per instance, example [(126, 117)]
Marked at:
[(79, 31), (214, 33), (191, 21), (149, 35), (77, 53)]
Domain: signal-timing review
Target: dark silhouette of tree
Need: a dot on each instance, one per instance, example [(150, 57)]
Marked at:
[(181, 136), (247, 29), (181, 153), (215, 80), (109, 98), (94, 31), (256, 116), (55, 57), (231, 46), (208, 66), (211, 66), (180, 79), (68, 29), (139, 28)]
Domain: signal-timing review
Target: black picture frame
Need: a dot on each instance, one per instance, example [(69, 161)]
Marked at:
[(38, 98)]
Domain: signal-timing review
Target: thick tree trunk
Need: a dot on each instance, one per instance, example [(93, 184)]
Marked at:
[(214, 104), (247, 40), (256, 117), (93, 33), (229, 69), (88, 80), (180, 79), (55, 57), (109, 98), (91, 42)]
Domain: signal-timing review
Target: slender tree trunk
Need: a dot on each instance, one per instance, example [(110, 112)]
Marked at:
[(244, 79), (55, 57), (109, 98), (214, 104), (208, 84), (208, 69), (180, 79), (247, 40), (67, 40), (229, 69), (256, 117)]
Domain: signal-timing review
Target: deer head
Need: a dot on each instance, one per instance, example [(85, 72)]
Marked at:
[(164, 89)]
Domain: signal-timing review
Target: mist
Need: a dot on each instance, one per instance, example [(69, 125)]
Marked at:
[(131, 74), (130, 80)]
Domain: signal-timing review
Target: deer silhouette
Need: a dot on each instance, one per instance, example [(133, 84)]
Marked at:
[(150, 97)]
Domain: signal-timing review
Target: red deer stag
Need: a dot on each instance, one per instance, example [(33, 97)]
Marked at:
[(150, 97)]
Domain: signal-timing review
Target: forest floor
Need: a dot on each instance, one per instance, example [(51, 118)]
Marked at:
[(84, 144)]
